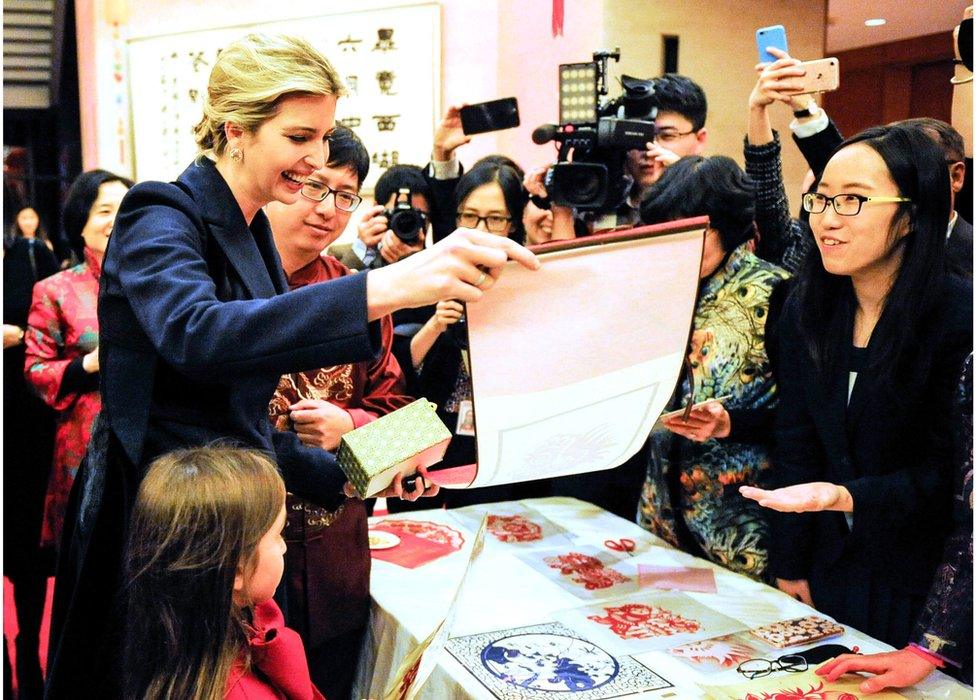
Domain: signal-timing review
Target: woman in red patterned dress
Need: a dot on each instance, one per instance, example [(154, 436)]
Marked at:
[(61, 360)]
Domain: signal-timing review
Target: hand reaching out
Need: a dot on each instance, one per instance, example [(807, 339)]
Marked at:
[(893, 669), (802, 498), (462, 266)]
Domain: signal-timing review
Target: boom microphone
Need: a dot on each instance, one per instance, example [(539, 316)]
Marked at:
[(545, 133)]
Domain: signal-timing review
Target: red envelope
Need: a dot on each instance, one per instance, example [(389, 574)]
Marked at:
[(412, 551), (676, 578)]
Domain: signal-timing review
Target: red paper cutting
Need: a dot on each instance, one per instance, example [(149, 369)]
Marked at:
[(640, 621), (514, 528), (586, 570), (412, 551), (421, 542)]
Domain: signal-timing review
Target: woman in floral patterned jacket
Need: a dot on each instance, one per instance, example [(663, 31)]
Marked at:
[(690, 496), (61, 360)]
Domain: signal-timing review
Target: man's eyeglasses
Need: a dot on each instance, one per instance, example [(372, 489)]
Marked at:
[(757, 668), (494, 222), (318, 191), (844, 204), (672, 136)]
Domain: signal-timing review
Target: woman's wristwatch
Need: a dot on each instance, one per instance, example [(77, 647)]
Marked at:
[(809, 111)]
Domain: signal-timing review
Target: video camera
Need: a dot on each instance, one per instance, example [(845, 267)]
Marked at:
[(405, 221), (596, 136)]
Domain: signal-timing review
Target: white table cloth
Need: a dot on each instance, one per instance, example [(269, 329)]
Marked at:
[(504, 593)]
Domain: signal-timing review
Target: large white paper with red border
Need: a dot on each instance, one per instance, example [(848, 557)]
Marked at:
[(572, 364)]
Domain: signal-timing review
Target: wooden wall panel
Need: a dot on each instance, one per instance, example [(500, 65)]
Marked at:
[(887, 82)]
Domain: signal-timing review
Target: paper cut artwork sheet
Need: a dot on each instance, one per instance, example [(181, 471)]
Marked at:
[(586, 570), (750, 609), (514, 528), (419, 542), (550, 660), (425, 530), (600, 332), (647, 621), (515, 524), (797, 686), (583, 570), (643, 621), (676, 578), (717, 654)]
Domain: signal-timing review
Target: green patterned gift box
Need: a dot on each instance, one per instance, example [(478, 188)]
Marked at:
[(399, 442)]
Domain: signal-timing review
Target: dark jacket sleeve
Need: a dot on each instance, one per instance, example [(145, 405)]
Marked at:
[(309, 472), (76, 380), (881, 501), (945, 625), (798, 457), (817, 148), (161, 267), (442, 213), (783, 240)]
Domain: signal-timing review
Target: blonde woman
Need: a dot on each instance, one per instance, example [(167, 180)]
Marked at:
[(197, 325)]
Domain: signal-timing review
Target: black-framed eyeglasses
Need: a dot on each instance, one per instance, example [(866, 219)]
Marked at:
[(671, 136), (757, 668), (493, 222), (844, 204), (318, 191)]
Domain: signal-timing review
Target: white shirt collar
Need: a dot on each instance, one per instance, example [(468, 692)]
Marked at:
[(952, 223)]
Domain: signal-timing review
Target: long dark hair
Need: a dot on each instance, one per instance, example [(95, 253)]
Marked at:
[(16, 232), (78, 203), (827, 302), (199, 516), (510, 184)]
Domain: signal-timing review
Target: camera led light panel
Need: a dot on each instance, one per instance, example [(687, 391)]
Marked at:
[(577, 93)]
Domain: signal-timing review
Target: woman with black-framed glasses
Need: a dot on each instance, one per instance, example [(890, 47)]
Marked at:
[(872, 341)]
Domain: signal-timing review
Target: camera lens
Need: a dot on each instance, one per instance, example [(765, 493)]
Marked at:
[(585, 184), (407, 224)]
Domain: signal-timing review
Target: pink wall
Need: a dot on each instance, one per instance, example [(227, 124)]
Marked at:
[(528, 60)]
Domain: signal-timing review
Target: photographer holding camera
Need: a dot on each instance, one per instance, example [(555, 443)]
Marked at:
[(605, 168), (396, 226)]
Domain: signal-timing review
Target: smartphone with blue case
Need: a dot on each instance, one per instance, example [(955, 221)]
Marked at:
[(775, 37)]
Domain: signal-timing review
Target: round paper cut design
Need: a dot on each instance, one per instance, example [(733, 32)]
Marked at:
[(549, 662)]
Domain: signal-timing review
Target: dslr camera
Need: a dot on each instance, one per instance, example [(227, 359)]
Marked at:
[(594, 136), (405, 221)]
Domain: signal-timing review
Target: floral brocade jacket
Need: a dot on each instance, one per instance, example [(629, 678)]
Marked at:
[(728, 358), (61, 329)]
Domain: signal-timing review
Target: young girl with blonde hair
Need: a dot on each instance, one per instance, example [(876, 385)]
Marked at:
[(205, 554)]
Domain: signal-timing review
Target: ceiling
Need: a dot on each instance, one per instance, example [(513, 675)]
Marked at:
[(906, 18)]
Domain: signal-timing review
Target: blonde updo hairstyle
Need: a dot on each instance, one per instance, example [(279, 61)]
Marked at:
[(250, 79)]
